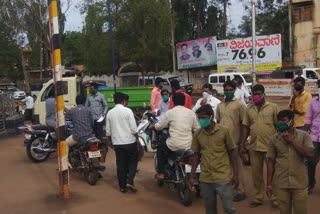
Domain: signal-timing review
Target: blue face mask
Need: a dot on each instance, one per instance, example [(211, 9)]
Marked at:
[(165, 98)]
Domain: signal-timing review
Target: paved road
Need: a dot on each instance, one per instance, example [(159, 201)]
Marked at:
[(28, 188)]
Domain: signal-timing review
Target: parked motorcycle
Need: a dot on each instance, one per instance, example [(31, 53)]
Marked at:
[(177, 168), (85, 157)]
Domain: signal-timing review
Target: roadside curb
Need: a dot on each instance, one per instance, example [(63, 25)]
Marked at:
[(9, 133)]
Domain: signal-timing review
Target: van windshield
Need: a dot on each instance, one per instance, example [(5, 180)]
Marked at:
[(247, 77)]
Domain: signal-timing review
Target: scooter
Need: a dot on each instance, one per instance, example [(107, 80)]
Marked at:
[(146, 136)]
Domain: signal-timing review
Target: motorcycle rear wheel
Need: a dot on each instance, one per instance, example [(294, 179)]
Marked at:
[(184, 193), (33, 156), (92, 177)]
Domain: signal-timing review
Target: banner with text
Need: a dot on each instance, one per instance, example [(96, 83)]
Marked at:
[(236, 55), (277, 87), (197, 53)]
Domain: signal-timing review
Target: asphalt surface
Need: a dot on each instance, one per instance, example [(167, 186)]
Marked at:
[(29, 188)]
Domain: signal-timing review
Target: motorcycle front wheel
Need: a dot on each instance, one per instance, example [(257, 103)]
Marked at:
[(184, 193), (32, 155)]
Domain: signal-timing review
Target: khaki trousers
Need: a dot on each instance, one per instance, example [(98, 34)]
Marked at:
[(70, 142), (241, 187), (257, 162), (295, 199)]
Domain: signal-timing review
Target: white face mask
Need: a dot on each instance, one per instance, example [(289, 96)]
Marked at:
[(205, 95)]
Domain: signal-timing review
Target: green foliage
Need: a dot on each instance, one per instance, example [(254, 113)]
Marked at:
[(9, 54)]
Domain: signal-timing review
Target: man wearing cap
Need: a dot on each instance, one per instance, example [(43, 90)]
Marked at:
[(98, 107)]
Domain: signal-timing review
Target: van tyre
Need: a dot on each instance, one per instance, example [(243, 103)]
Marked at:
[(215, 93), (33, 156)]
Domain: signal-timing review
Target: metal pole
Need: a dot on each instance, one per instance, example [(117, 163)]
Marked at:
[(112, 51), (58, 86), (173, 47), (290, 31), (254, 54)]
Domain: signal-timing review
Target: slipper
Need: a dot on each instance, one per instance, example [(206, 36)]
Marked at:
[(157, 176), (123, 190), (131, 188)]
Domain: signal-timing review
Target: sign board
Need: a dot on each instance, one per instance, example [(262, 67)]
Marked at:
[(236, 54), (197, 53), (312, 87), (277, 87)]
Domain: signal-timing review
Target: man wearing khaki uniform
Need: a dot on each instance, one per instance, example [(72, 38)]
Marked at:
[(286, 154), (230, 113), (259, 121)]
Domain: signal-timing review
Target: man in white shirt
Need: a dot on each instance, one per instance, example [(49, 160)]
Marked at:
[(207, 98), (29, 106), (181, 122), (241, 93), (122, 134)]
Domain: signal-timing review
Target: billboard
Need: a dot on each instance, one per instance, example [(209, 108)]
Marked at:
[(197, 53), (277, 87), (236, 54)]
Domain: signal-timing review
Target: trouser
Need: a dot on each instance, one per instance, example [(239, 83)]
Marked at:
[(70, 142), (312, 164), (163, 153), (295, 199), (209, 195), (98, 129), (28, 114), (257, 161), (241, 187), (127, 162)]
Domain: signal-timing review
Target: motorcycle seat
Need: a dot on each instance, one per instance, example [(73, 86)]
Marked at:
[(182, 153), (44, 127)]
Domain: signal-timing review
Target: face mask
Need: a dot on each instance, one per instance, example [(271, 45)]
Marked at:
[(205, 95), (281, 127), (298, 88), (257, 99), (229, 95), (204, 123), (91, 91), (165, 98)]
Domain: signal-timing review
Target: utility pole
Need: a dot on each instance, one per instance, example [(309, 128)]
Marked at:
[(290, 31), (58, 87), (173, 41), (225, 19), (112, 49), (254, 54)]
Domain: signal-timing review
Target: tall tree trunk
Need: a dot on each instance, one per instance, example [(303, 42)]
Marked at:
[(25, 73), (225, 18), (198, 20)]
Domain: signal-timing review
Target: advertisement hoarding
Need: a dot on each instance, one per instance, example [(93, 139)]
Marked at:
[(197, 53), (236, 54)]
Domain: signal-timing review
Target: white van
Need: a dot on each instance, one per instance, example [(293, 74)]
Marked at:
[(218, 79), (71, 87)]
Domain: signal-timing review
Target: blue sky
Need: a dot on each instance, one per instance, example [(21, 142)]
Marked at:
[(75, 20)]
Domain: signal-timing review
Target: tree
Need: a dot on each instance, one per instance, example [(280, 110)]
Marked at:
[(271, 18)]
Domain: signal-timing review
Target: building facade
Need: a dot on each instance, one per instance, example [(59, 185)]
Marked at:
[(305, 23)]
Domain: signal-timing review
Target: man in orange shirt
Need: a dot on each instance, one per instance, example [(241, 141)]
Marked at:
[(156, 95), (175, 86)]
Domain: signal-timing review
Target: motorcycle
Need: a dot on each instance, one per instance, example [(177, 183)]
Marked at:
[(85, 157), (177, 168)]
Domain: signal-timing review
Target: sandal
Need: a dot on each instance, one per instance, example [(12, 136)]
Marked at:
[(131, 188), (123, 190), (159, 176)]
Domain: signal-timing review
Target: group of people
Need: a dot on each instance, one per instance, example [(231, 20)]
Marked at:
[(217, 132)]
